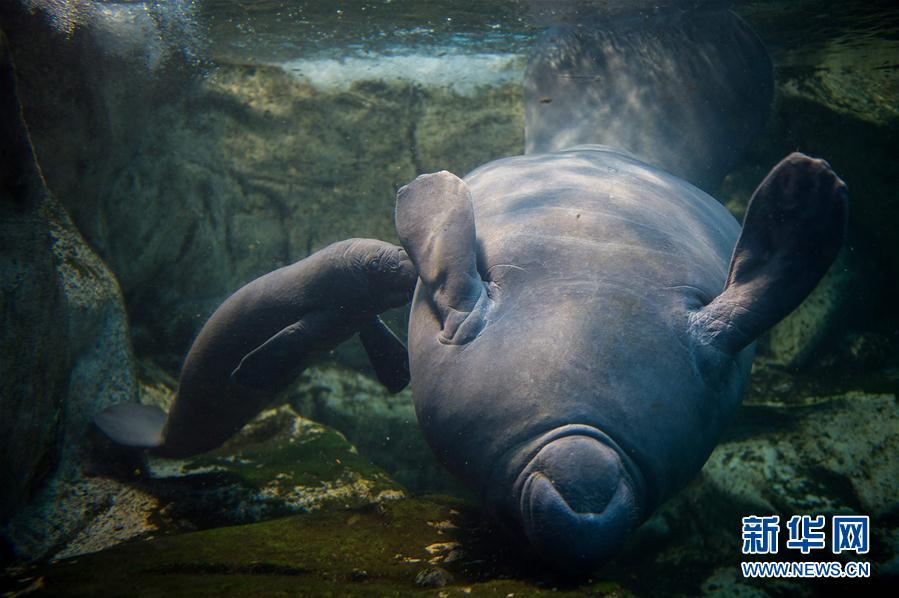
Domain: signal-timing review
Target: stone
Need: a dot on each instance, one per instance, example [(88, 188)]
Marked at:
[(382, 425), (279, 464), (65, 347), (821, 317), (360, 552), (433, 577), (234, 169), (97, 366), (459, 132), (814, 457), (819, 455), (252, 169)]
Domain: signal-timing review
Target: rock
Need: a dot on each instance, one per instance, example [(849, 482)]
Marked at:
[(433, 577), (693, 542), (278, 464), (33, 375), (727, 581), (88, 87), (333, 551), (234, 169), (827, 455), (797, 339), (252, 169), (459, 132), (813, 457), (382, 425), (66, 352)]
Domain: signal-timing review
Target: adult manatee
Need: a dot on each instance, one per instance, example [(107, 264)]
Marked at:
[(584, 323)]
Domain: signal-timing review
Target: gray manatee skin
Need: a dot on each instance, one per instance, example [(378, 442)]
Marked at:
[(573, 357), (685, 90), (584, 323), (264, 334), (593, 262)]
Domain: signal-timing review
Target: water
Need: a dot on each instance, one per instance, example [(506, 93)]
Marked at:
[(191, 147)]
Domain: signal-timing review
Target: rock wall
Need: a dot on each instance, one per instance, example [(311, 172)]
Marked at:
[(65, 350), (252, 170), (191, 179), (382, 425)]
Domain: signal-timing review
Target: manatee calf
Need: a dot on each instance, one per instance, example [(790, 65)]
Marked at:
[(262, 336), (584, 323)]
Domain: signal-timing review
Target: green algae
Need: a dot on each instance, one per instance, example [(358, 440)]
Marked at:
[(323, 455), (379, 550)]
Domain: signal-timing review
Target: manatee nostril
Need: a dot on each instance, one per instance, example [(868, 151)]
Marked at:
[(577, 502)]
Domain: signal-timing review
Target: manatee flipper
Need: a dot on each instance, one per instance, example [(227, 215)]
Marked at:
[(270, 365), (683, 90), (387, 354), (792, 232), (435, 224), (132, 424)]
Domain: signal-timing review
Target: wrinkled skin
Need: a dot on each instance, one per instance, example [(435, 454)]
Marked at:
[(264, 334), (342, 286), (568, 374)]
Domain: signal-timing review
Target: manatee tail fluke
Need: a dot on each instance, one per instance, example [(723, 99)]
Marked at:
[(132, 424), (684, 91)]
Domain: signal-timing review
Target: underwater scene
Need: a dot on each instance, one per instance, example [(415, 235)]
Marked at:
[(445, 298)]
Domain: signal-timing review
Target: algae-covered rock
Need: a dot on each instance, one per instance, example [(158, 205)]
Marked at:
[(65, 351), (837, 97), (279, 463), (827, 456), (822, 316), (252, 169), (459, 132), (249, 168), (382, 425), (393, 549), (444, 547), (96, 365), (815, 456)]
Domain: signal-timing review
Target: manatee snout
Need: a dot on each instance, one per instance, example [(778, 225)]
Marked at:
[(578, 502), (400, 264), (392, 274)]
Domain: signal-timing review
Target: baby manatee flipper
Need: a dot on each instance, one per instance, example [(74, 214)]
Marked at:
[(793, 229), (270, 365), (387, 354), (132, 424), (435, 224)]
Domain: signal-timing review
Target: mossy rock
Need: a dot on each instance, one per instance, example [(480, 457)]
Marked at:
[(429, 546), (382, 425), (279, 464)]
